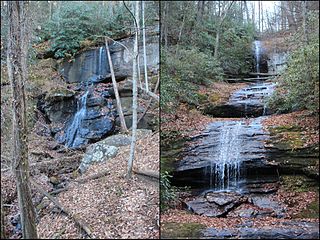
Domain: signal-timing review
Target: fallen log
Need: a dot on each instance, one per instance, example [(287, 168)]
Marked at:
[(148, 173), (93, 177), (58, 165), (264, 74), (230, 80), (75, 218)]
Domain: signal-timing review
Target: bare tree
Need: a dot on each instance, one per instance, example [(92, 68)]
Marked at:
[(134, 92), (3, 235), (116, 92), (144, 49), (225, 12), (17, 72)]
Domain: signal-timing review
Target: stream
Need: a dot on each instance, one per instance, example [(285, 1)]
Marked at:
[(230, 172)]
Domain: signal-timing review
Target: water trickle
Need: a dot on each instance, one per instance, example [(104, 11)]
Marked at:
[(257, 52), (100, 67), (72, 130)]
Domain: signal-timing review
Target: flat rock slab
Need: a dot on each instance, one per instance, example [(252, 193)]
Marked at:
[(222, 199), (213, 204), (288, 230)]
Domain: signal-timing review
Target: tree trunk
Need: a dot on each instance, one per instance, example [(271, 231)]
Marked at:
[(116, 92), (144, 50), (3, 235), (134, 97), (247, 11), (216, 47), (17, 71)]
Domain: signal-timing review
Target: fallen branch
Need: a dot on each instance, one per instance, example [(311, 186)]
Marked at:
[(264, 74), (150, 101), (93, 177), (78, 221), (148, 173), (151, 94), (56, 165)]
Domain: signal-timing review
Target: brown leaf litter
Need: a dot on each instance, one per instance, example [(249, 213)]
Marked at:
[(112, 206)]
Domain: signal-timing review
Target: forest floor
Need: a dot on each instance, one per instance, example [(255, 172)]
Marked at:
[(191, 122), (111, 206)]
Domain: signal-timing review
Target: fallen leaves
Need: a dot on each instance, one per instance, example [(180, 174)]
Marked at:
[(113, 206)]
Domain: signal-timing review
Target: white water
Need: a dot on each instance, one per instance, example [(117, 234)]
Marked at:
[(257, 52), (78, 117), (100, 59), (226, 171)]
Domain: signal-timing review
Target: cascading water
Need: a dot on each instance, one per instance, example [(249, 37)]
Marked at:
[(100, 67), (78, 118), (225, 170), (257, 52)]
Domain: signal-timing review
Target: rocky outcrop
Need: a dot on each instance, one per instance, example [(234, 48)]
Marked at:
[(285, 230), (58, 104), (215, 204), (232, 204), (247, 102), (92, 65)]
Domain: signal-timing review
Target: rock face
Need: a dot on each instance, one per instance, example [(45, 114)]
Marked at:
[(92, 65), (86, 112), (58, 105), (232, 151), (93, 120)]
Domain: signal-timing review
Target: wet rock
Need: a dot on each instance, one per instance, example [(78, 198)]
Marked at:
[(92, 65), (213, 205), (248, 102), (97, 153), (288, 230), (58, 105)]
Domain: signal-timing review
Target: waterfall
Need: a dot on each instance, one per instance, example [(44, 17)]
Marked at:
[(100, 61), (72, 130), (257, 50), (226, 168)]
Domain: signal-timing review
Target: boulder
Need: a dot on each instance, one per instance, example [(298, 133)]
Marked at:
[(213, 204), (97, 153)]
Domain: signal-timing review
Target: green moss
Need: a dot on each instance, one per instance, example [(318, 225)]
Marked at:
[(298, 183), (312, 211), (181, 230), (202, 98), (287, 137), (170, 150), (214, 98)]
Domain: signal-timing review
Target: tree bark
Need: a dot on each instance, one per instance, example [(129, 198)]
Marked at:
[(116, 92), (134, 96), (3, 235), (17, 71), (219, 29), (144, 50)]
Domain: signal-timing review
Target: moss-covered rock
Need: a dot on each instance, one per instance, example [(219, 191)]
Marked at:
[(172, 230)]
